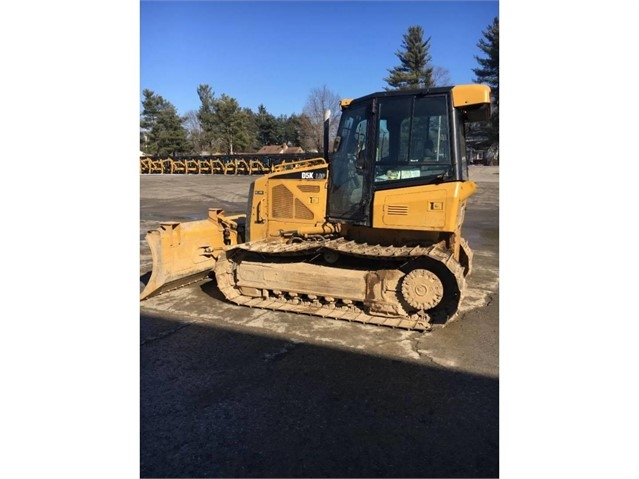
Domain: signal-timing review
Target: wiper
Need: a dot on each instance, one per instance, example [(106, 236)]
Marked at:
[(436, 180), (440, 178)]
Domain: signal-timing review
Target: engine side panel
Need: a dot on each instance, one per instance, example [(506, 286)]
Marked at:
[(423, 208), (287, 201)]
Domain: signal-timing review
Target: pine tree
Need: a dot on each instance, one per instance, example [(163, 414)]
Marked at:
[(268, 131), (231, 125), (415, 70), (161, 130), (488, 73), (205, 116), (291, 128)]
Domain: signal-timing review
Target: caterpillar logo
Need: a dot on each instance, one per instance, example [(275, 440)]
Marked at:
[(307, 175)]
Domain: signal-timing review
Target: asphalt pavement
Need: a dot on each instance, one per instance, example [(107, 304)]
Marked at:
[(229, 391)]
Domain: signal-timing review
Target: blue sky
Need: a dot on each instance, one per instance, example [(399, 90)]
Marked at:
[(275, 53)]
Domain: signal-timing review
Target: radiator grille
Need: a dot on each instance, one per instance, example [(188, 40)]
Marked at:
[(309, 188), (282, 202), (301, 211), (399, 210), (285, 205)]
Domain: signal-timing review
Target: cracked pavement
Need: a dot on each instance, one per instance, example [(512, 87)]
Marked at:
[(229, 391)]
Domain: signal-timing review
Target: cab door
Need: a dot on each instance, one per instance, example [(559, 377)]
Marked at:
[(348, 199)]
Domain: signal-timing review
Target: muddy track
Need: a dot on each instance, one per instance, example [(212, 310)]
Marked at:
[(343, 308)]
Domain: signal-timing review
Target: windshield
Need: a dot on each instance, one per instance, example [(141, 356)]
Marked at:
[(413, 139)]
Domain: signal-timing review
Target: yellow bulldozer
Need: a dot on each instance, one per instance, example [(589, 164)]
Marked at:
[(371, 234)]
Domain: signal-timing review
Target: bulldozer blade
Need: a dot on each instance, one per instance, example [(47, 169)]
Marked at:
[(183, 253)]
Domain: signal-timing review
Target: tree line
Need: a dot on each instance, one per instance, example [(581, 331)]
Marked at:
[(222, 125)]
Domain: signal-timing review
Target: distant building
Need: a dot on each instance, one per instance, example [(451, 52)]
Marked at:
[(279, 149)]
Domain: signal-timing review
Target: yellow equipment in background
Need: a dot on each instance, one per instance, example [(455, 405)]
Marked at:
[(371, 234)]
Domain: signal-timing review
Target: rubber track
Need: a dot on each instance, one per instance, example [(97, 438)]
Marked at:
[(225, 267)]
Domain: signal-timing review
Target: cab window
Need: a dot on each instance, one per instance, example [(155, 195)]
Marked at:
[(413, 139)]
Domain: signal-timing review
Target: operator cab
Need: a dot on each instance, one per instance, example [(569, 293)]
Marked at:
[(399, 139)]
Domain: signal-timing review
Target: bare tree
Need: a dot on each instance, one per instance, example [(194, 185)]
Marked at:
[(441, 76), (195, 135), (319, 100)]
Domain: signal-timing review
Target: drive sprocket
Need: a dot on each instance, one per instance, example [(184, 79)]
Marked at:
[(422, 289)]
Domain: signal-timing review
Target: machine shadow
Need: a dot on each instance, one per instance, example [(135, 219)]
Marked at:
[(215, 402)]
